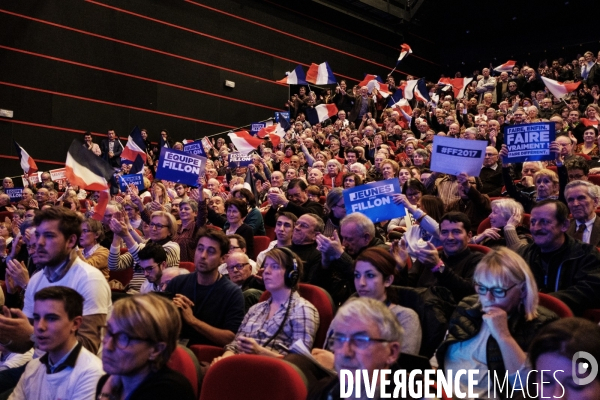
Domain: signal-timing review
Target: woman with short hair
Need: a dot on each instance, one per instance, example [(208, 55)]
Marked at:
[(92, 233), (492, 330), (139, 338), (236, 211)]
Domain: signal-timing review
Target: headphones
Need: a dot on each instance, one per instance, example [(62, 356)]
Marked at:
[(291, 275)]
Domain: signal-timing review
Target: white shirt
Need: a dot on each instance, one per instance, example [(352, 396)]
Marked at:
[(587, 233)]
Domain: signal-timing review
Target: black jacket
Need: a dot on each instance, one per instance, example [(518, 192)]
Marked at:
[(338, 276), (573, 278), (457, 276), (466, 323)]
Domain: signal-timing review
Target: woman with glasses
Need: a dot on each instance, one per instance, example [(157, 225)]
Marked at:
[(162, 230), (491, 330), (92, 234), (412, 191), (138, 340), (352, 180)]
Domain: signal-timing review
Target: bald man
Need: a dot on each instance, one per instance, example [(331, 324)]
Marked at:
[(491, 173)]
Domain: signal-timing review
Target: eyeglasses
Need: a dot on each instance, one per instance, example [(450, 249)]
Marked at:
[(497, 292), (237, 266), (361, 342), (120, 339), (153, 225), (149, 269)]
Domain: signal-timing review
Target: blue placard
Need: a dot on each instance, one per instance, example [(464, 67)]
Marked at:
[(178, 166), (283, 114), (375, 200), (529, 142), (15, 194), (195, 148), (256, 126), (136, 179), (239, 159)]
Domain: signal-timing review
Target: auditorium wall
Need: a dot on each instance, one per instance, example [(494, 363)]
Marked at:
[(69, 66)]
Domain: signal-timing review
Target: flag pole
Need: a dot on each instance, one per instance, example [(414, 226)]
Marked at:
[(235, 129)]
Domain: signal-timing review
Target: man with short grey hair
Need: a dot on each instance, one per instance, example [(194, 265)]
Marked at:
[(583, 198), (338, 254)]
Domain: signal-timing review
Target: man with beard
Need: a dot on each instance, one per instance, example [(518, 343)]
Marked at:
[(212, 307)]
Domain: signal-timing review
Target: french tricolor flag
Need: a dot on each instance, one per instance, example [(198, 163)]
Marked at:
[(506, 67), (244, 142), (421, 92), (560, 90), (89, 173), (320, 74), (408, 89), (458, 85), (27, 164), (320, 113), (296, 77), (404, 51), (275, 132), (135, 146), (375, 82)]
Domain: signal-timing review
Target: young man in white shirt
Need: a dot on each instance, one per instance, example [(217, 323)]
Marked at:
[(67, 370)]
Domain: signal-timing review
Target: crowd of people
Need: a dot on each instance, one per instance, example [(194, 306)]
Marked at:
[(535, 221)]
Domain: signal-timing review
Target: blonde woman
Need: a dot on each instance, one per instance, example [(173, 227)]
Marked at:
[(491, 330), (138, 340)]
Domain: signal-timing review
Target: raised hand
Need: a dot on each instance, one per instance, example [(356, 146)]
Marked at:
[(399, 251)]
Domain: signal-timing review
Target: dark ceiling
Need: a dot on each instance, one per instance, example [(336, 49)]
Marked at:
[(465, 35)]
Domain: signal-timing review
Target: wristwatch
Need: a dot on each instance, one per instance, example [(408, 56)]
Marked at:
[(439, 267)]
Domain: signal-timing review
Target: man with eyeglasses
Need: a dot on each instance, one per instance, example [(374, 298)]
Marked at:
[(578, 169), (237, 244), (518, 117), (365, 336), (153, 261), (491, 173), (67, 369), (163, 228), (562, 266), (240, 273)]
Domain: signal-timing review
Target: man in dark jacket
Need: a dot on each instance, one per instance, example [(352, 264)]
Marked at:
[(111, 149), (338, 255), (453, 266), (296, 202), (562, 266)]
